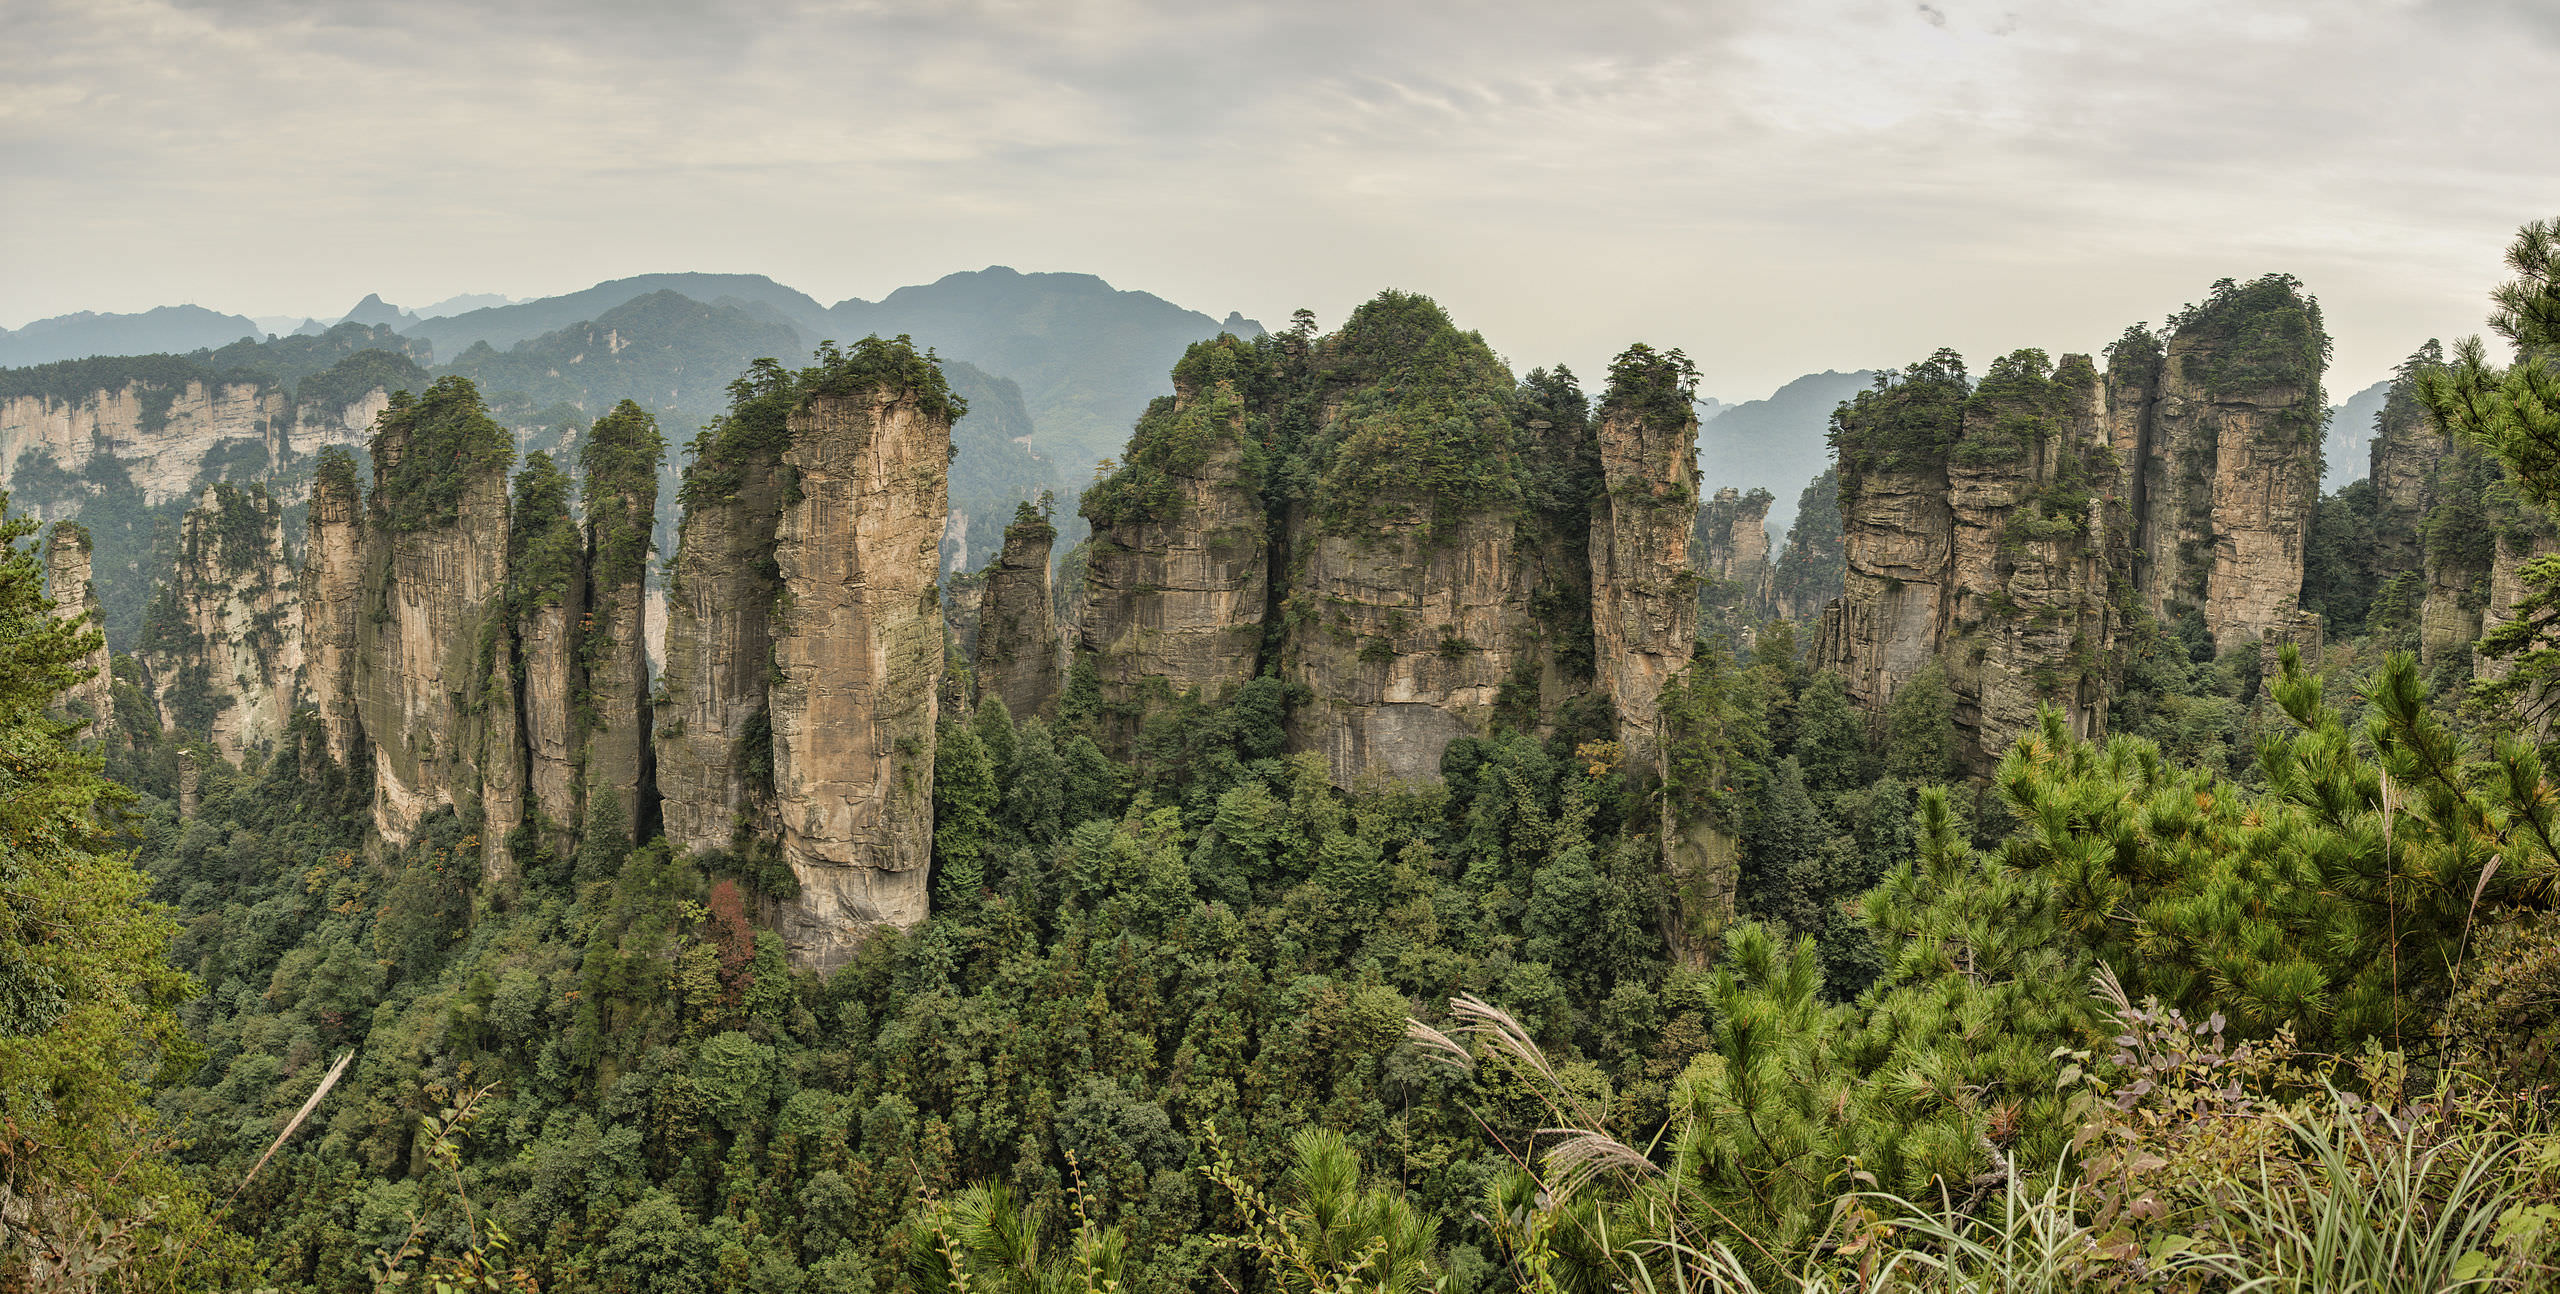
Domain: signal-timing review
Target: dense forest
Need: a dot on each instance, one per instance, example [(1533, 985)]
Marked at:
[(2257, 988)]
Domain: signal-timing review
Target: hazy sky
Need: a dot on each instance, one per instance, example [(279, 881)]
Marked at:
[(1777, 187)]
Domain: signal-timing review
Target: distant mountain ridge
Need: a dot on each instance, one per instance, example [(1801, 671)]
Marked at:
[(1778, 444), (170, 330), (2346, 446)]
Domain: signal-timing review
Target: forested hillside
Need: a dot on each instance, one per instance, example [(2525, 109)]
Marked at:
[(1430, 852)]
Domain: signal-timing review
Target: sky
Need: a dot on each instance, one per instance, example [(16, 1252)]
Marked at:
[(1777, 188)]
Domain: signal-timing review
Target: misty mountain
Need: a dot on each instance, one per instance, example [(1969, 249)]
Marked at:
[(1086, 355), (1089, 356), (2347, 444), (675, 356), (455, 305), (1778, 444), (503, 326), (171, 330), (374, 310)]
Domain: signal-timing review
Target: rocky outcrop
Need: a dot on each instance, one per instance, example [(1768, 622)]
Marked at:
[(432, 651), (1897, 530), (1405, 609), (222, 643), (1644, 603), (1016, 660), (331, 593), (1406, 632), (171, 425), (714, 734), (161, 432), (1978, 535), (547, 607), (619, 459), (1177, 575), (1733, 548), (858, 656), (91, 701), (2000, 528), (2407, 452), (2229, 454), (2030, 567)]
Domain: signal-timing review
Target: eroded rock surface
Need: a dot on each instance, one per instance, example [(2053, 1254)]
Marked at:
[(1017, 656), (857, 650)]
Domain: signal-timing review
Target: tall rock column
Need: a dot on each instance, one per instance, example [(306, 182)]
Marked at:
[(432, 636), (2233, 465), (332, 597), (714, 735), (620, 461), (547, 605), (1017, 656), (1644, 605), (857, 645), (2030, 567), (91, 701), (1897, 528), (1179, 570), (1406, 607), (222, 643)]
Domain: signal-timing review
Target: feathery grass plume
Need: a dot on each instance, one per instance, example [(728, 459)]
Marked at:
[(327, 1081)]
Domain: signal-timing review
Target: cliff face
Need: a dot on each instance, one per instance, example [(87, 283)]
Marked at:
[(547, 603), (2407, 452), (1405, 636), (1178, 572), (1897, 530), (171, 433), (2030, 568), (91, 701), (1644, 604), (857, 646), (222, 644), (719, 644), (1017, 637), (1997, 528), (432, 653), (161, 432), (1978, 535), (620, 457), (332, 597), (1733, 549), (2228, 456), (1405, 610)]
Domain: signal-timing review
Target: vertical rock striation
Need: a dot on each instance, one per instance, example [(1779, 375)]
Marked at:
[(1644, 606), (1978, 536), (2230, 460), (1177, 576), (431, 642), (333, 602), (857, 649), (1017, 640), (222, 643), (1897, 528), (546, 608), (619, 460), (1405, 607), (91, 701), (714, 737), (1733, 549)]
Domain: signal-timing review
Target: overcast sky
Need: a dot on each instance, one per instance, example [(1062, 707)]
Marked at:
[(1777, 187)]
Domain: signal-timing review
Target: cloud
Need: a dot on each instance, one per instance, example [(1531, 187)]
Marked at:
[(1777, 187)]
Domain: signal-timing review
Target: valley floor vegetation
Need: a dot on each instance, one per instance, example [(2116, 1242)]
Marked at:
[(2261, 992)]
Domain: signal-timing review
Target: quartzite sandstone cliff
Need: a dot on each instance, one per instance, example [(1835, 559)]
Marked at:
[(91, 701), (1017, 656)]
